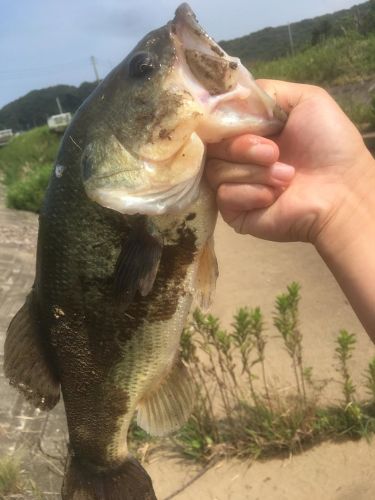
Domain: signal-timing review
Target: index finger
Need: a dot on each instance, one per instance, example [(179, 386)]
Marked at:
[(246, 148)]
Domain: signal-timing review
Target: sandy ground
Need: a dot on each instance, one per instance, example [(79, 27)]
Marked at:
[(327, 472), (252, 272)]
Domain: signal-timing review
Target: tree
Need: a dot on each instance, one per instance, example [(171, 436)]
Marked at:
[(321, 32), (369, 20)]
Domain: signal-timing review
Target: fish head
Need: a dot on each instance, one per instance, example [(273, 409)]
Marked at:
[(174, 93)]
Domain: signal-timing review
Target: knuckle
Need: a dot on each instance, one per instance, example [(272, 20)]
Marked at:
[(319, 91), (212, 164)]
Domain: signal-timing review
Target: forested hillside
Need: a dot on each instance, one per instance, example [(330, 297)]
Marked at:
[(34, 108), (272, 43)]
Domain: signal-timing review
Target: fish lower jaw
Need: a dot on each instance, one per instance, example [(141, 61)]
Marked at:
[(224, 127), (168, 201)]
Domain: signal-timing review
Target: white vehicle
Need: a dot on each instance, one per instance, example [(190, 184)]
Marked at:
[(5, 136), (58, 123)]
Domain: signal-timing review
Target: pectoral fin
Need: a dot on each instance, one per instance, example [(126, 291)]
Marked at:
[(26, 361), (206, 275), (137, 264), (167, 408)]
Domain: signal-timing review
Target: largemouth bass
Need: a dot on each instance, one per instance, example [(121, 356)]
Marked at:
[(125, 243)]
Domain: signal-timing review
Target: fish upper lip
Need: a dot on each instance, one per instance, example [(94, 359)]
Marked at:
[(185, 15), (187, 34), (185, 19)]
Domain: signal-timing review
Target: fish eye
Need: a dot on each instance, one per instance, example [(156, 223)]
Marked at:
[(141, 65)]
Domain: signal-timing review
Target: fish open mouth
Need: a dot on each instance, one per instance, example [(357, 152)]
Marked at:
[(205, 96), (232, 100)]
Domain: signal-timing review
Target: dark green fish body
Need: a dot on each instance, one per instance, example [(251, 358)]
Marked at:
[(125, 244), (107, 349)]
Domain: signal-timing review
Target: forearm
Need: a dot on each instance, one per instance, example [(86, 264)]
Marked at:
[(347, 245)]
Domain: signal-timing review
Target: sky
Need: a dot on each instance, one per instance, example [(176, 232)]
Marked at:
[(49, 42)]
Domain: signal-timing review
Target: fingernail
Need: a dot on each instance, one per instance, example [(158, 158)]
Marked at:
[(262, 153), (282, 171)]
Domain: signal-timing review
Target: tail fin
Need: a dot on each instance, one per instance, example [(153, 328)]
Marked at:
[(129, 481)]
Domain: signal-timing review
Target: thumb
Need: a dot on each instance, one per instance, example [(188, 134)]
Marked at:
[(287, 94)]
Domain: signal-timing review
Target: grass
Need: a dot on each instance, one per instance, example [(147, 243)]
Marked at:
[(15, 481), (336, 61), (27, 193), (361, 114), (239, 413), (11, 478), (25, 164)]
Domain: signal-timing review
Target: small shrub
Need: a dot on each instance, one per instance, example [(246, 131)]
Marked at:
[(236, 415), (287, 322), (25, 164), (370, 379), (11, 481), (344, 351), (28, 193)]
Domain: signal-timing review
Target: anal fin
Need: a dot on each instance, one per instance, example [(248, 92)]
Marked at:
[(207, 274), (168, 407), (26, 362)]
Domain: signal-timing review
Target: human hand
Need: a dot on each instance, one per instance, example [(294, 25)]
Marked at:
[(329, 157), (330, 200)]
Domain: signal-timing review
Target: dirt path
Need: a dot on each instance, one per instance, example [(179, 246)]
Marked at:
[(37, 437), (252, 273)]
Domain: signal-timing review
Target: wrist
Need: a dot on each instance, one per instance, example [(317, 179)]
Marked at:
[(347, 243), (353, 217)]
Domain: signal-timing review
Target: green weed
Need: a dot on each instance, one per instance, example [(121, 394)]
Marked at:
[(344, 351), (363, 115), (370, 379), (25, 165), (15, 481), (239, 413), (336, 61), (11, 479), (28, 192)]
